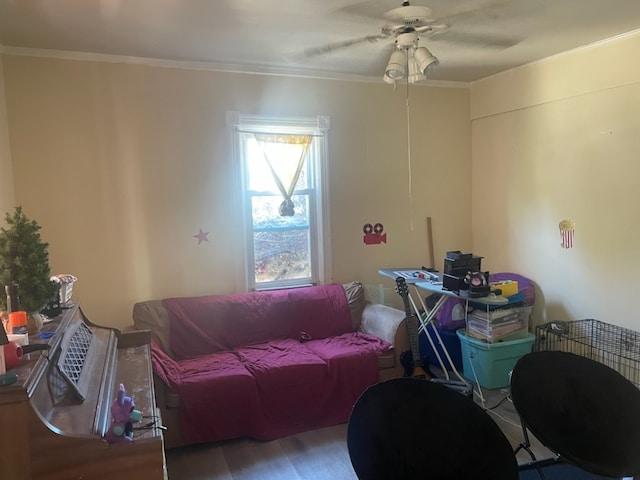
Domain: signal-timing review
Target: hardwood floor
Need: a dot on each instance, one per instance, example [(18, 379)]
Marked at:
[(315, 455)]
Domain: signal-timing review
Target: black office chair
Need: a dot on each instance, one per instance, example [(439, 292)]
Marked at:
[(586, 412), (407, 428)]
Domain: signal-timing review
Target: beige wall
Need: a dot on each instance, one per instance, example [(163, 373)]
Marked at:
[(122, 164), (560, 139), (6, 168)]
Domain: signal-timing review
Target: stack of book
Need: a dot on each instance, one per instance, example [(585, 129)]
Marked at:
[(494, 325)]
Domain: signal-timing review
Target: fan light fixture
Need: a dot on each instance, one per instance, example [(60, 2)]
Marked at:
[(419, 61), (395, 69), (426, 61)]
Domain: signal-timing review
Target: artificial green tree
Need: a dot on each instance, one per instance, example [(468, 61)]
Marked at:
[(24, 260)]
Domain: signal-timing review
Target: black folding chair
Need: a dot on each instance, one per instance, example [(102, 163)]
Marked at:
[(584, 411), (407, 428)]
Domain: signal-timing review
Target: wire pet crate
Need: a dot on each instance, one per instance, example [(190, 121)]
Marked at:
[(614, 346)]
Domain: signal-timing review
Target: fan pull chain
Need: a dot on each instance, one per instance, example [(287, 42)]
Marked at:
[(409, 155)]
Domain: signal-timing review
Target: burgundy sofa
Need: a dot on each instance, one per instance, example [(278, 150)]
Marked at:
[(265, 365)]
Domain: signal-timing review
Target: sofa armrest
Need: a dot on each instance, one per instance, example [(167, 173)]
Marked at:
[(382, 321), (389, 324), (151, 315)]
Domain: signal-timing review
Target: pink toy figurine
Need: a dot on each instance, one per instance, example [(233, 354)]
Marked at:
[(123, 416)]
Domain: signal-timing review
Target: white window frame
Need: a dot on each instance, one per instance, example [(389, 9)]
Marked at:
[(319, 218)]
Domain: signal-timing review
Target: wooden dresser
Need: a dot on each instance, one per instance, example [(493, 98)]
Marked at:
[(52, 421)]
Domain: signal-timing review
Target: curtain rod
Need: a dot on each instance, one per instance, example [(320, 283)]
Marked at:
[(283, 133)]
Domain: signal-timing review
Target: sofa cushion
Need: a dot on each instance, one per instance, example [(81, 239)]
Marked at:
[(270, 390), (218, 395), (231, 384), (321, 311), (284, 361), (352, 360), (219, 398), (349, 358), (209, 324), (351, 344), (295, 388), (356, 300), (152, 315)]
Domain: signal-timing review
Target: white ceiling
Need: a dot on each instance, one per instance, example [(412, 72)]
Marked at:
[(484, 37)]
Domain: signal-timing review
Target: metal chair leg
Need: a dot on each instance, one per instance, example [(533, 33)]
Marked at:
[(526, 445)]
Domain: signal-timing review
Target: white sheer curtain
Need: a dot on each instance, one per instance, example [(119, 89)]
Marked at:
[(304, 141)]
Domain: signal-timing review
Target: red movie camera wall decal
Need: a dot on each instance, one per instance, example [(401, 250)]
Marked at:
[(373, 234)]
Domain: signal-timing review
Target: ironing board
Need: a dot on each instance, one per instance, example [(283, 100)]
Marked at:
[(584, 411), (431, 282), (433, 285)]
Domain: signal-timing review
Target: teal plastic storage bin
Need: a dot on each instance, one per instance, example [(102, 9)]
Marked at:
[(492, 362)]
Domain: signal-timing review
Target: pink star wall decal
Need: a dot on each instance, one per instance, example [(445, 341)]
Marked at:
[(201, 236)]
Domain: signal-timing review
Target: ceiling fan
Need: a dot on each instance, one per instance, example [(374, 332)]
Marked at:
[(407, 25)]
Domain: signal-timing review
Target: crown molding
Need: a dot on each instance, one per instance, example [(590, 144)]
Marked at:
[(208, 66)]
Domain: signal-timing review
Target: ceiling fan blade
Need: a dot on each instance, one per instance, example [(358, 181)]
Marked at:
[(475, 39), (430, 30), (368, 9), (330, 47), (486, 10)]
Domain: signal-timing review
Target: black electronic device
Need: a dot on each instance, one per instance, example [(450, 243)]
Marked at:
[(458, 263), (478, 283), (453, 283), (462, 273)]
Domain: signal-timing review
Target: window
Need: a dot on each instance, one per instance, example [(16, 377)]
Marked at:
[(282, 175)]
